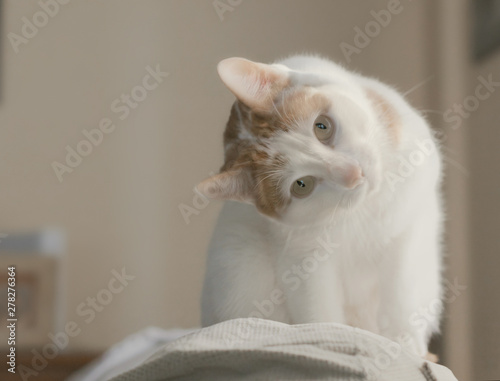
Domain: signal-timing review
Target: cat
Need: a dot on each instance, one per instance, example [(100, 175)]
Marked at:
[(333, 209)]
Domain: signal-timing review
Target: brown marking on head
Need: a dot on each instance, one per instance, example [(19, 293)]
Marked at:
[(387, 114), (248, 127), (246, 140), (267, 105), (270, 200)]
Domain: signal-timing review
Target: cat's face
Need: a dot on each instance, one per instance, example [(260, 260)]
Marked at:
[(297, 146)]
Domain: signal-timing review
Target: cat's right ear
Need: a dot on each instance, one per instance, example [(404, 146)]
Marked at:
[(254, 84), (233, 184)]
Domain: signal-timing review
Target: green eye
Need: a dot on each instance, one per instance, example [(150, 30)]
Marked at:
[(324, 129), (303, 187)]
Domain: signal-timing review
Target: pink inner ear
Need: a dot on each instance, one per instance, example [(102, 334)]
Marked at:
[(262, 91), (252, 83), (265, 82)]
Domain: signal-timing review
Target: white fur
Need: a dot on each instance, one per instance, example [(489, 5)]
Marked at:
[(368, 256)]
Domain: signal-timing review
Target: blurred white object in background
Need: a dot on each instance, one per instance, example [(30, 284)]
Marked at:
[(38, 259), (48, 241)]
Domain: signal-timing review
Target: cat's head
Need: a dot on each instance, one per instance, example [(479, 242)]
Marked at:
[(298, 145)]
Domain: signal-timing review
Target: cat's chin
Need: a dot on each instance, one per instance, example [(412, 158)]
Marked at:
[(331, 208), (354, 198)]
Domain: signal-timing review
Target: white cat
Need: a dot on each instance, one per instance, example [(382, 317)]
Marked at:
[(333, 212)]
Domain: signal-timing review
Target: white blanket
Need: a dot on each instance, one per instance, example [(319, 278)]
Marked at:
[(255, 349)]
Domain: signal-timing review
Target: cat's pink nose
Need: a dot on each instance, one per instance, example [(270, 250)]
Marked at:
[(353, 177)]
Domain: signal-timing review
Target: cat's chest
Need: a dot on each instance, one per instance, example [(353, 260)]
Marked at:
[(349, 243)]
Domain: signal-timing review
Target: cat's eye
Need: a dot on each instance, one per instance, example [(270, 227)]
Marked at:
[(324, 129), (303, 187)]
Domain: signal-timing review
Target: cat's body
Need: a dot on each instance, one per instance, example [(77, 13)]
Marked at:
[(362, 245)]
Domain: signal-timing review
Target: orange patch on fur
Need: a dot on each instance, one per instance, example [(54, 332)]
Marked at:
[(432, 357), (245, 142), (387, 114)]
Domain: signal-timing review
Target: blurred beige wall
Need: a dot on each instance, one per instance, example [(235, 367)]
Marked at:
[(120, 207), (472, 189), (450, 59), (484, 125)]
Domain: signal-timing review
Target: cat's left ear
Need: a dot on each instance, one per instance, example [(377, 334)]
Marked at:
[(254, 84), (233, 184)]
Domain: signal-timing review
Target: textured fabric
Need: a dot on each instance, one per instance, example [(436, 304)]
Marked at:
[(256, 349), (127, 354)]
